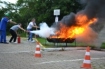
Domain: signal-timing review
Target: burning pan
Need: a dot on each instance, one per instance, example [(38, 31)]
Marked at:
[(61, 40)]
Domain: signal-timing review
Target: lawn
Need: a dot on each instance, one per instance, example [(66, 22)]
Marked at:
[(47, 44), (103, 46)]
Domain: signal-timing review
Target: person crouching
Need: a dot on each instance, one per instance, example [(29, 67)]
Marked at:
[(13, 32)]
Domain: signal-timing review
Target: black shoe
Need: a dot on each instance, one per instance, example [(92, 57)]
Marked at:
[(1, 42), (10, 42), (6, 43)]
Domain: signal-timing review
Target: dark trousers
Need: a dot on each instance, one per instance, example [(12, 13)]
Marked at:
[(14, 36)]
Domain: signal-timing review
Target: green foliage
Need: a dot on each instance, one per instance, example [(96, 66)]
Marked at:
[(42, 40), (42, 10), (103, 46)]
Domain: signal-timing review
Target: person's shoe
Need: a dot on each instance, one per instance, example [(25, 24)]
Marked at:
[(33, 41), (15, 42), (6, 43), (29, 40), (1, 42), (10, 42)]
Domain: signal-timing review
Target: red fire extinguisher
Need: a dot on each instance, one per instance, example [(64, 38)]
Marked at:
[(19, 39)]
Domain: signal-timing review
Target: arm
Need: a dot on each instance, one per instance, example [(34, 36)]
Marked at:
[(22, 29), (12, 21), (35, 26)]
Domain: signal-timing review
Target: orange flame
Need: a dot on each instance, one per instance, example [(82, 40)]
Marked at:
[(82, 22)]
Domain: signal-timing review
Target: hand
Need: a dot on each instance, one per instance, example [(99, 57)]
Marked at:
[(10, 20), (25, 31), (37, 27)]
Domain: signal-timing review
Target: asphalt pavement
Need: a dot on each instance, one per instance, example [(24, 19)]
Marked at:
[(21, 56)]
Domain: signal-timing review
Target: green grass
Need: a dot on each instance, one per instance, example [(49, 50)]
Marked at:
[(42, 40), (47, 44), (103, 46)]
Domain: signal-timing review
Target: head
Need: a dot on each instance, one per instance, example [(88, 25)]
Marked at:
[(20, 24), (33, 20), (6, 14)]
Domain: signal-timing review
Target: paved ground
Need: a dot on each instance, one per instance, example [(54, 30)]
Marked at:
[(21, 56)]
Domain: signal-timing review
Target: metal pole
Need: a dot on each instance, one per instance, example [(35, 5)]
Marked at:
[(56, 19)]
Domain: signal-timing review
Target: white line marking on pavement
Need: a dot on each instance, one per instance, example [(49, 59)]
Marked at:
[(17, 52), (74, 60)]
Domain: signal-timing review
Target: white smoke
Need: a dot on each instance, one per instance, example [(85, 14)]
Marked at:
[(45, 31)]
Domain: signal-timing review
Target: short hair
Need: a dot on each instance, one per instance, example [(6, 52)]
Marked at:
[(19, 24), (33, 19)]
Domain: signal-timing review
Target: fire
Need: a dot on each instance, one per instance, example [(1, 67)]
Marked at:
[(82, 22), (66, 32), (78, 30)]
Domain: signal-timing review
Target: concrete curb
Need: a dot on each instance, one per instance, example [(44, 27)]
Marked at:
[(102, 49), (63, 49)]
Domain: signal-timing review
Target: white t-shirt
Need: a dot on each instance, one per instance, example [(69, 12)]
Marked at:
[(30, 25)]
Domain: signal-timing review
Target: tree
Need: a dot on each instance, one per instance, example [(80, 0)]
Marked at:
[(42, 10)]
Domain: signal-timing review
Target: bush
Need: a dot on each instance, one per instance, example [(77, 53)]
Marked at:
[(103, 46)]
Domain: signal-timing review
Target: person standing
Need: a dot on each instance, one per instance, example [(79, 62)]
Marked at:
[(13, 32), (3, 25), (31, 25)]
